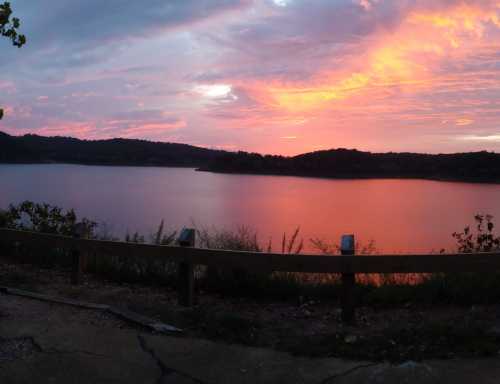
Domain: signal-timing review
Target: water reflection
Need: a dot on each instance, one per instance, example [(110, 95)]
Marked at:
[(401, 215)]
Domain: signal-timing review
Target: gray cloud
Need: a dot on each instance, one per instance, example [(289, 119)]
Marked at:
[(78, 33), (114, 67)]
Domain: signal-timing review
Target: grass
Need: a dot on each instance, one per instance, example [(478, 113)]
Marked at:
[(231, 327), (378, 290), (417, 336), (374, 290), (397, 344), (304, 327)]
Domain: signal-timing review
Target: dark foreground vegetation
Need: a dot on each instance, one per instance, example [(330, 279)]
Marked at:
[(304, 326), (335, 163), (400, 316), (372, 289)]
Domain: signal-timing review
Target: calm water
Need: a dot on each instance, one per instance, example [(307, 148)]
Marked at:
[(400, 215)]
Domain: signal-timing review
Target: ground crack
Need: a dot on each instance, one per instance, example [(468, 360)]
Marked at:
[(39, 348), (348, 372), (165, 371), (163, 368)]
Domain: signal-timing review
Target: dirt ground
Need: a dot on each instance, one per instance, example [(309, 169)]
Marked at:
[(46, 342), (302, 326)]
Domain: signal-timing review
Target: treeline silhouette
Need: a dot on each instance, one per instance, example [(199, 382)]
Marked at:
[(39, 149), (349, 163), (336, 163)]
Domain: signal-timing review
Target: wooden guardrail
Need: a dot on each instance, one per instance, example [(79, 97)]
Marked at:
[(187, 256)]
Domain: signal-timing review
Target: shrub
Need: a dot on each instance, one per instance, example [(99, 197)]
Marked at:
[(46, 218), (3, 218), (381, 289), (479, 239)]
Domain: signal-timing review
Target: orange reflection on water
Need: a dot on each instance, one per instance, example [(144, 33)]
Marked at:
[(401, 216)]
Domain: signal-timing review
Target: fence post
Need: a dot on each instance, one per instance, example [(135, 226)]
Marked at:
[(77, 256), (185, 284), (347, 247)]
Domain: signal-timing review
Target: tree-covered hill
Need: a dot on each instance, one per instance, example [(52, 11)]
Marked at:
[(350, 163), (39, 149), (335, 163)]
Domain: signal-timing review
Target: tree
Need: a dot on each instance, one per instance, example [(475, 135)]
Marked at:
[(9, 29)]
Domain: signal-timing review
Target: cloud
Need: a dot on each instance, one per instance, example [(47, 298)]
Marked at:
[(464, 121), (150, 123), (372, 74), (367, 5), (214, 91), (437, 50), (81, 33), (394, 58), (493, 137), (96, 22)]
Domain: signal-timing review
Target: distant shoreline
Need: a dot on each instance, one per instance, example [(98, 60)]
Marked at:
[(352, 178), (201, 169), (336, 164), (351, 164), (138, 165)]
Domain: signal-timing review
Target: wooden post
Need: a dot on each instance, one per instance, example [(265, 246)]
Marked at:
[(347, 246), (185, 284), (77, 256)]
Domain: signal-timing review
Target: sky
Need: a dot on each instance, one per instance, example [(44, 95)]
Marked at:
[(269, 76)]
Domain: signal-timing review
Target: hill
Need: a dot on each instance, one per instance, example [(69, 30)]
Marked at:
[(39, 149), (349, 163), (335, 163)]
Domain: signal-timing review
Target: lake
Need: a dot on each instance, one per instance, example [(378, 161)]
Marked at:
[(399, 215)]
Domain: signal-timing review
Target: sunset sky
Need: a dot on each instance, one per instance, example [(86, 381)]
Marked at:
[(272, 76)]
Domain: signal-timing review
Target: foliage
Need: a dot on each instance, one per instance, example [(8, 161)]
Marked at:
[(293, 245), (136, 237), (338, 163), (39, 149), (333, 248), (9, 28), (371, 290), (159, 237), (3, 218), (238, 281), (350, 163), (227, 279), (29, 216), (246, 239), (162, 238), (480, 239), (242, 239)]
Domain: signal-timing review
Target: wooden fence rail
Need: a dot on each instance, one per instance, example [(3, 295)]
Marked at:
[(187, 256)]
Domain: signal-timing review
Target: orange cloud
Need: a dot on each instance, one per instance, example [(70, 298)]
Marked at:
[(151, 129), (463, 121), (75, 129), (405, 57), (459, 20)]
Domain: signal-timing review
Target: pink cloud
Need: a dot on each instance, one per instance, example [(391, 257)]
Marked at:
[(372, 74)]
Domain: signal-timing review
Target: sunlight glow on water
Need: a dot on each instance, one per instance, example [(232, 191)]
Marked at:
[(400, 215)]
